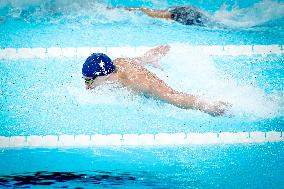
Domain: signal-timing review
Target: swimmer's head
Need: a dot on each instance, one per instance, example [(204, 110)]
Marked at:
[(98, 64)]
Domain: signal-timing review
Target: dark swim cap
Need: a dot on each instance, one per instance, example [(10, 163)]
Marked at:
[(98, 64)]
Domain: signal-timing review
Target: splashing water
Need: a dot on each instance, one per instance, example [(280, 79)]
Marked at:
[(59, 11), (111, 93), (194, 72), (95, 12), (188, 70), (260, 13)]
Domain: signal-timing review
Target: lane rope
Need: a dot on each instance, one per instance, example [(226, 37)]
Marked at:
[(160, 139), (72, 52)]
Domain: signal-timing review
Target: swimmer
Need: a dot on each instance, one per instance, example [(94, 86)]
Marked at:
[(187, 15), (130, 73)]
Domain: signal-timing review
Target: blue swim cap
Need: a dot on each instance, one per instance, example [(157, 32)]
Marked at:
[(98, 64)]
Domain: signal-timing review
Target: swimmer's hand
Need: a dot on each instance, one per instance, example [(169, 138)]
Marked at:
[(154, 55), (158, 51), (218, 108), (132, 9)]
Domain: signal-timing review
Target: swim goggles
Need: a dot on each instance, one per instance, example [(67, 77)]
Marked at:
[(89, 81)]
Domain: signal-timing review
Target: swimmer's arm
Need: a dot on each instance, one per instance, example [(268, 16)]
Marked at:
[(164, 14), (152, 56), (153, 13), (151, 84), (188, 101), (183, 100)]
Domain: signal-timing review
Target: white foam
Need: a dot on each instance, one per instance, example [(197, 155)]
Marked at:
[(257, 14), (95, 96), (92, 11), (186, 69), (189, 70), (19, 4), (84, 12), (110, 93)]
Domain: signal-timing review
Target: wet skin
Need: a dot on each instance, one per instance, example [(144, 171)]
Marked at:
[(130, 73)]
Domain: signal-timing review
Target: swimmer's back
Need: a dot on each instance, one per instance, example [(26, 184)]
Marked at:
[(139, 78)]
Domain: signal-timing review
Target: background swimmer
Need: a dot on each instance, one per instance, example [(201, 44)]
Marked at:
[(187, 15)]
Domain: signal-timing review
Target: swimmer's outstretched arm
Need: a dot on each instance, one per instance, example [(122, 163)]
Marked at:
[(164, 14), (140, 79), (153, 13), (152, 56), (189, 101)]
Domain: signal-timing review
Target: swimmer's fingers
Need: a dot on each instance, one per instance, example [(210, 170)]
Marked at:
[(167, 47), (163, 49), (132, 9), (220, 108), (227, 109), (154, 56), (157, 65), (158, 51)]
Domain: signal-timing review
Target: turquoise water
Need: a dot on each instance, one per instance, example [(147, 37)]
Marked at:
[(233, 166), (61, 23), (46, 96)]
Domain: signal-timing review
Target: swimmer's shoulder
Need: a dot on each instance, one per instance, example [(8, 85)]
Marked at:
[(120, 61), (124, 62), (121, 64), (121, 67)]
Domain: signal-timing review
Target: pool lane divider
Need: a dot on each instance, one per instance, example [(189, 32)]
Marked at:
[(160, 139), (114, 52)]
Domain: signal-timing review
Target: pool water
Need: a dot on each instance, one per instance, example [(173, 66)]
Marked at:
[(47, 97), (38, 97), (61, 23), (48, 93), (227, 166)]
